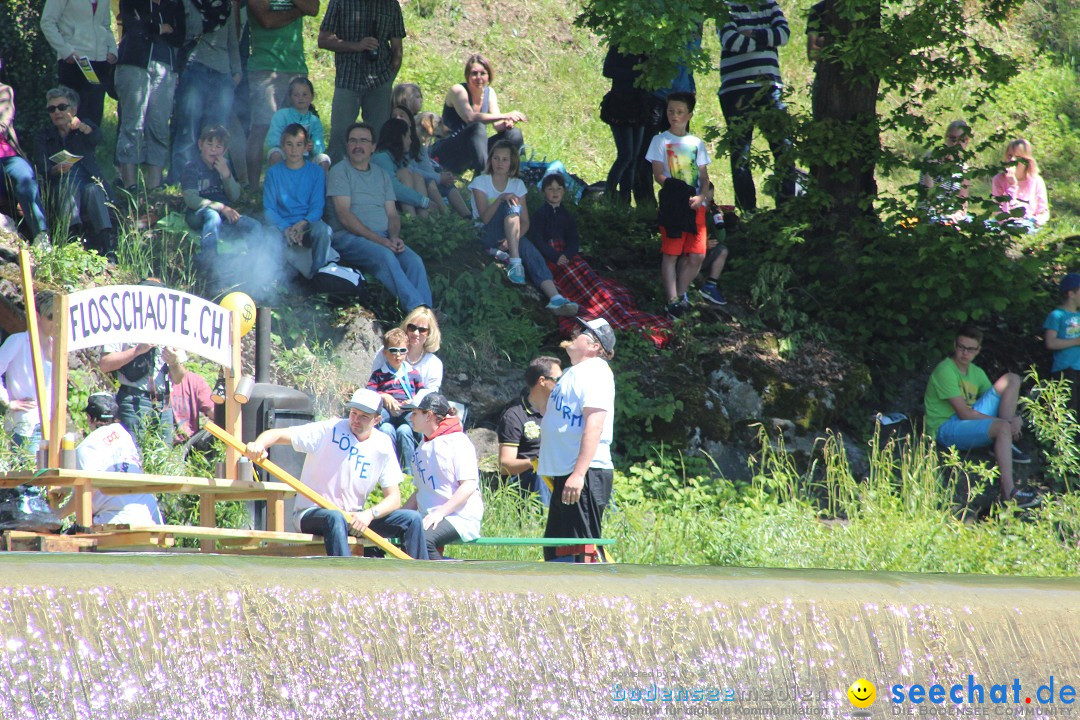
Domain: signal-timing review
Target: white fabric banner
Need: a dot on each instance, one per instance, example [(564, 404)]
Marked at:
[(147, 314)]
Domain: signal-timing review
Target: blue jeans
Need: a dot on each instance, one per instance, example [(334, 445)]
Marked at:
[(331, 524), (493, 234), (308, 260), (213, 228), (401, 433), (19, 182), (204, 97), (763, 107), (403, 273)]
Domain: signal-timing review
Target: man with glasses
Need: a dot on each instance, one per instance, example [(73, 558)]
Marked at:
[(577, 430), (519, 428), (964, 410), (366, 223)]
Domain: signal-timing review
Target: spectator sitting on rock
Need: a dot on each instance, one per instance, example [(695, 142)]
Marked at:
[(440, 183), (16, 172), (299, 111), (499, 207), (467, 111), (397, 384), (209, 190), (65, 156), (392, 153), (366, 223), (519, 428), (422, 330), (963, 410), (555, 235), (944, 182), (294, 196)]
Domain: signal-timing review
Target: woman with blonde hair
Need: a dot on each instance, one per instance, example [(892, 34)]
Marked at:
[(1020, 186), (423, 340)]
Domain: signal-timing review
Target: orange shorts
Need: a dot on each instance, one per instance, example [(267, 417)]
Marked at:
[(687, 243)]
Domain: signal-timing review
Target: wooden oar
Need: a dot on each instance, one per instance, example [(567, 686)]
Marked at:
[(315, 497)]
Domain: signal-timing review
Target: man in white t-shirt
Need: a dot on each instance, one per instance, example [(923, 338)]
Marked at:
[(577, 428), (345, 460), (110, 448)]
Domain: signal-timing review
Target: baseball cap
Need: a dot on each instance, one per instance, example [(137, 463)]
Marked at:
[(1070, 282), (365, 400), (429, 400), (102, 407), (601, 330)]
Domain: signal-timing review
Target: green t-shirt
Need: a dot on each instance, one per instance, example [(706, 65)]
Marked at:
[(278, 50), (948, 382)]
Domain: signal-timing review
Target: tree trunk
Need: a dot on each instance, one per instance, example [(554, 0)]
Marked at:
[(846, 126)]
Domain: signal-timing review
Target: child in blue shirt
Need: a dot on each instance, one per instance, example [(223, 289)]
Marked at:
[(1062, 337), (298, 111)]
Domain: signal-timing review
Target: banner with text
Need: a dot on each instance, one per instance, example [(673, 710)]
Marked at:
[(147, 314)]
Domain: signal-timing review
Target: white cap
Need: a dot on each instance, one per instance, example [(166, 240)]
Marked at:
[(365, 400)]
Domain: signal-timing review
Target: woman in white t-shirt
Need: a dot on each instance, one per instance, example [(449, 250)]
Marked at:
[(499, 207), (445, 473)]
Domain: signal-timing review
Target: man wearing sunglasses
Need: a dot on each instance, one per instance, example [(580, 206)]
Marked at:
[(964, 410)]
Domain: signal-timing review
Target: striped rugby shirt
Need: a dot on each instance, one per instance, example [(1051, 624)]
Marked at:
[(752, 61)]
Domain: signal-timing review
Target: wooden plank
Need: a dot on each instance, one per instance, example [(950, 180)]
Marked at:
[(207, 518), (84, 504), (59, 378), (103, 480), (25, 541), (275, 512), (135, 539), (202, 532)]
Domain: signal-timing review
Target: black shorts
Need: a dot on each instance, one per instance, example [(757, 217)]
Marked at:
[(583, 518)]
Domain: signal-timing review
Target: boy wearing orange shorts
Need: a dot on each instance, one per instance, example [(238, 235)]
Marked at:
[(680, 166)]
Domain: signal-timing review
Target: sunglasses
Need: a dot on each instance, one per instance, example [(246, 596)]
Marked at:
[(397, 351), (417, 329), (58, 107)]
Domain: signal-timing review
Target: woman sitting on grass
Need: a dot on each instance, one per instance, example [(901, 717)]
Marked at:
[(555, 235), (499, 207), (445, 473), (467, 111), (392, 154), (1022, 186)]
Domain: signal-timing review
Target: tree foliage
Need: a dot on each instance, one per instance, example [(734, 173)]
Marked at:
[(28, 61)]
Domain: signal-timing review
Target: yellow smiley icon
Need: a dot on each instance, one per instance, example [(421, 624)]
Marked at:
[(862, 693)]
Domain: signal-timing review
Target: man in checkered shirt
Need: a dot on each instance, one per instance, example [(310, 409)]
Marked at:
[(365, 37)]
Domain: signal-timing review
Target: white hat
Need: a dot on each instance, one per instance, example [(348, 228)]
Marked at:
[(365, 400)]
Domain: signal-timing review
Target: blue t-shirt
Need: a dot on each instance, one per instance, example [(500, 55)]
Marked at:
[(1067, 326)]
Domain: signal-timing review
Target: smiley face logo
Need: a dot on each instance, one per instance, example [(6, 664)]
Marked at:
[(862, 693)]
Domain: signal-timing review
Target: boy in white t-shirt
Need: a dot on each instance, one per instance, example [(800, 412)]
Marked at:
[(680, 166), (110, 448), (345, 460)]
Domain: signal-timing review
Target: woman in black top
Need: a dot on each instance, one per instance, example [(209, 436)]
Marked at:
[(467, 111)]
